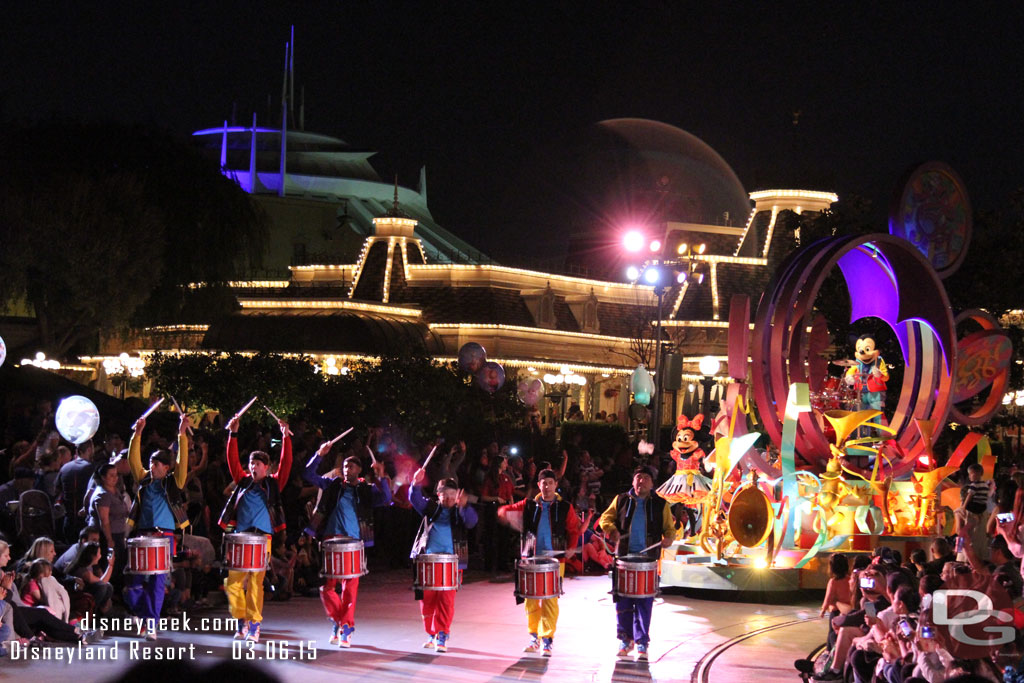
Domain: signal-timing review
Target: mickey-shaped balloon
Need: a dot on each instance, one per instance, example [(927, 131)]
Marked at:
[(530, 391), (687, 485)]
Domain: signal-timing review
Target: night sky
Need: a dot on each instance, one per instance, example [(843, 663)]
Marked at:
[(482, 95)]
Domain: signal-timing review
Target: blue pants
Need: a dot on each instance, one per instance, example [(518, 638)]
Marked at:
[(144, 595), (634, 619)]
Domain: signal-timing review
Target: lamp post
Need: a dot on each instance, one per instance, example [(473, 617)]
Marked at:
[(709, 367), (656, 271), (654, 428)]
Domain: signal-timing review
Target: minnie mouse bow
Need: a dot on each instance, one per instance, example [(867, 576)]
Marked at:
[(694, 424)]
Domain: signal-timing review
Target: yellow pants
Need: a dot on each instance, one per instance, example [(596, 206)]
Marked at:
[(246, 602), (542, 615)]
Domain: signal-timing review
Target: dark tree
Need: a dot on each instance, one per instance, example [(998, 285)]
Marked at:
[(143, 207)]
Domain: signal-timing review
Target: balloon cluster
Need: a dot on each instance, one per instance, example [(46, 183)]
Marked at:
[(77, 419), (490, 376)]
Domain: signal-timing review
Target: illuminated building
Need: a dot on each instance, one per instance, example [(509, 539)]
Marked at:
[(398, 294)]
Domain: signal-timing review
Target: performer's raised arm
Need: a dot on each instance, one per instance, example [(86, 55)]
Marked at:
[(284, 468), (181, 469), (234, 466), (135, 450)]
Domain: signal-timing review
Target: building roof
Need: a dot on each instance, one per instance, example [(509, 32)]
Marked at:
[(328, 331)]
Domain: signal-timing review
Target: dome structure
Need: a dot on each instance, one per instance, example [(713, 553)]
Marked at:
[(637, 172)]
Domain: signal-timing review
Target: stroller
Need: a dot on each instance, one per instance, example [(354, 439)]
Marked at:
[(35, 516)]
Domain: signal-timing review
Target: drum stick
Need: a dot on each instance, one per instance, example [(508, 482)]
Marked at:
[(329, 444), (429, 456), (246, 407), (276, 418), (151, 409), (651, 547), (339, 436), (182, 412), (373, 458)]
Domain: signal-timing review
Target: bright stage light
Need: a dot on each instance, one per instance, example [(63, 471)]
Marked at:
[(655, 246), (633, 240), (651, 276), (632, 273), (681, 278), (761, 563)]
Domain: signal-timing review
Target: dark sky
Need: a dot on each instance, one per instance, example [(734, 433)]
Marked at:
[(481, 93)]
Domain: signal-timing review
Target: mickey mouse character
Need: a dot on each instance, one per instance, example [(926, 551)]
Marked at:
[(687, 485), (869, 376)]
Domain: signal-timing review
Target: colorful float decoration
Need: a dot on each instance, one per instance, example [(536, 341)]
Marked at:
[(847, 473)]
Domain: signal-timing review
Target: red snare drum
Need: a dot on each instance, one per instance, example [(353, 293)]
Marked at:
[(437, 572), (245, 552), (538, 578), (149, 555), (636, 576), (343, 558)]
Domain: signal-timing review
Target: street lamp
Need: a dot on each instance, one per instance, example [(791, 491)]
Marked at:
[(709, 367), (657, 271)]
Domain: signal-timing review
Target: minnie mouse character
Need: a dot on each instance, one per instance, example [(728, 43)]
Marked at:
[(687, 485)]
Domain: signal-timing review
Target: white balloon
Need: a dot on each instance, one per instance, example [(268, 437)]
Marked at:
[(3, 351), (77, 419)]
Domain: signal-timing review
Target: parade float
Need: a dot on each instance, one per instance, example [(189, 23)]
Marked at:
[(843, 476)]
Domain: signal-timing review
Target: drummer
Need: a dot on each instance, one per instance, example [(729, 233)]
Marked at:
[(634, 534), (158, 509), (549, 527), (346, 510), (253, 507), (443, 532)]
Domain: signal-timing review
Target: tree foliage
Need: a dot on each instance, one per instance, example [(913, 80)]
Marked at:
[(226, 382), (72, 249), (84, 204), (420, 397), (424, 398)]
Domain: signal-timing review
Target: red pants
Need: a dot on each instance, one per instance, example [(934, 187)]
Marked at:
[(341, 609), (437, 608)]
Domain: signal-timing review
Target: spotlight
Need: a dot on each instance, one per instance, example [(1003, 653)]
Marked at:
[(681, 278), (681, 249), (651, 276), (655, 246), (632, 273), (633, 241)]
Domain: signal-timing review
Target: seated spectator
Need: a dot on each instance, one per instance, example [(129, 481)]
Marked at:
[(941, 554), (41, 548), (31, 589), (89, 534), (918, 559), (27, 621), (838, 594), (97, 586)]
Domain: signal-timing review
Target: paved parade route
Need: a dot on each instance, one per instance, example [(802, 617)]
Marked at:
[(716, 641)]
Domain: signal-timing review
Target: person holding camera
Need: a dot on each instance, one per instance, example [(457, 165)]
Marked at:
[(98, 586)]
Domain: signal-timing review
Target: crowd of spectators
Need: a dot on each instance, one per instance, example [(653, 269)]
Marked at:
[(882, 608), (64, 510)]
